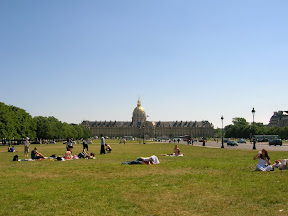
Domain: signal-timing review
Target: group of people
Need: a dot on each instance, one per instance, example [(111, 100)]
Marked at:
[(68, 153), (104, 147), (153, 159), (11, 148), (264, 163)]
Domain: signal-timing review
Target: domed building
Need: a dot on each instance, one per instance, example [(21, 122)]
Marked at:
[(139, 115), (140, 127)]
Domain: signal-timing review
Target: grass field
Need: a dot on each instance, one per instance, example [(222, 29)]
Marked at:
[(206, 181)]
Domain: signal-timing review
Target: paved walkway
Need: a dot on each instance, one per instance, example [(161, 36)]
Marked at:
[(248, 146)]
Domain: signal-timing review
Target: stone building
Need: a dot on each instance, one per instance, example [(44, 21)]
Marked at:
[(140, 127), (279, 119)]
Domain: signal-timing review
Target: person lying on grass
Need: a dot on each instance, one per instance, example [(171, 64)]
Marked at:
[(263, 161), (282, 164), (143, 160), (86, 154), (36, 155)]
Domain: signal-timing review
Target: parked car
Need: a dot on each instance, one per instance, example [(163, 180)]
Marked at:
[(232, 143), (225, 140), (275, 142), (262, 140), (241, 141)]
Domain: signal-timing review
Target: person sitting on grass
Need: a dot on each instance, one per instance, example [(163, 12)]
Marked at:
[(176, 150), (11, 149), (108, 148), (68, 154), (35, 154), (263, 161)]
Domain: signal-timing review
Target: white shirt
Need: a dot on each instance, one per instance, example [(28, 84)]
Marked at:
[(262, 162), (26, 143)]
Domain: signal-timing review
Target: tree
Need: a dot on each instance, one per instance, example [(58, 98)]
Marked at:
[(15, 123), (42, 127), (240, 122)]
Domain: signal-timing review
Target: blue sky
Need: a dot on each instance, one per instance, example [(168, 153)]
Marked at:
[(186, 60)]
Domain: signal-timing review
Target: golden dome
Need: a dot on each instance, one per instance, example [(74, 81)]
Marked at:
[(139, 113)]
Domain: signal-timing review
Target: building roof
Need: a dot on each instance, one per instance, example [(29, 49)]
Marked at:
[(167, 124)]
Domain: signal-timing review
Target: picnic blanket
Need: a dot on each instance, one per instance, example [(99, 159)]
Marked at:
[(173, 155)]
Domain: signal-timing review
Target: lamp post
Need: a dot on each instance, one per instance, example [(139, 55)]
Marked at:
[(139, 135), (143, 134), (254, 141), (222, 146)]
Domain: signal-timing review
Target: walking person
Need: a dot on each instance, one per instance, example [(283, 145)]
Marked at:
[(85, 144), (26, 147), (102, 151), (124, 141), (69, 145)]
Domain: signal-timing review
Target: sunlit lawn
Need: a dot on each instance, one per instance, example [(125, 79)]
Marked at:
[(206, 181)]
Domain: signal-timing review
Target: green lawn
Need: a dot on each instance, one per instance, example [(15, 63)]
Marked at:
[(206, 181)]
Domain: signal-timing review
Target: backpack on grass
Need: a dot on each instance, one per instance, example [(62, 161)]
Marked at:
[(15, 158)]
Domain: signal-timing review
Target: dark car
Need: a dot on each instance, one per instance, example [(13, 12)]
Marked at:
[(262, 140), (241, 141), (225, 140), (232, 143), (275, 142)]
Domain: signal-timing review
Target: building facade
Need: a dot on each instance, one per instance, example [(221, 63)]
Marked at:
[(279, 119), (140, 127)]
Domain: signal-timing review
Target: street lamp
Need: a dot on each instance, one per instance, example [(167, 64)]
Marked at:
[(254, 141), (139, 135), (143, 134), (222, 132)]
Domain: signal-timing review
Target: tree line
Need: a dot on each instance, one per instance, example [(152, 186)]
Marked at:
[(242, 129), (16, 123)]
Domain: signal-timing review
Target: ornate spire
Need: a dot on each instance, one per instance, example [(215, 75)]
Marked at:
[(138, 102)]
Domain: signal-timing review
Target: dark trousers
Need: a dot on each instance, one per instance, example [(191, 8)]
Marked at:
[(102, 151), (85, 146), (137, 161)]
